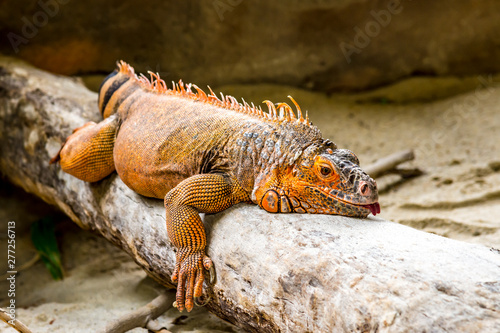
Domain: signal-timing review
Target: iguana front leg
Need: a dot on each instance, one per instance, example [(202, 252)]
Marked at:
[(205, 193)]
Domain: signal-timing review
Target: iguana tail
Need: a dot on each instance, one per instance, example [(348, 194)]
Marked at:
[(117, 86)]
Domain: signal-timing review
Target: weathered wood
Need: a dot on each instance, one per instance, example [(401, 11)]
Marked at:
[(276, 272), (14, 323), (143, 316), (388, 163)]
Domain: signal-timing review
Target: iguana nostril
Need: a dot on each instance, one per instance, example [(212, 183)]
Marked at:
[(364, 189)]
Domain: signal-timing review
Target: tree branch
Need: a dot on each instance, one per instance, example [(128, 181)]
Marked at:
[(143, 316), (389, 163), (17, 325)]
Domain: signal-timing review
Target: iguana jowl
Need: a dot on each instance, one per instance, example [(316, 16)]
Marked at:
[(202, 154)]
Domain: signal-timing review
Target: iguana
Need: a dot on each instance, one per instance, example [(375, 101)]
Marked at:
[(203, 154)]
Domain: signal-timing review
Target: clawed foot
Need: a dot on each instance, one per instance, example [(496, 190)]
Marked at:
[(189, 275)]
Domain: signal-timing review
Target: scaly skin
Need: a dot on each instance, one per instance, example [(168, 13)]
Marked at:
[(203, 155)]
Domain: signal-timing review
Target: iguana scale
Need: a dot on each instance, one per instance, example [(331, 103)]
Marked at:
[(203, 154)]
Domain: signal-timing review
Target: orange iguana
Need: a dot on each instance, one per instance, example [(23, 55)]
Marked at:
[(203, 154)]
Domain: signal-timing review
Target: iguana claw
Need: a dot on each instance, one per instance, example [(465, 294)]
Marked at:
[(190, 276), (207, 263), (204, 300)]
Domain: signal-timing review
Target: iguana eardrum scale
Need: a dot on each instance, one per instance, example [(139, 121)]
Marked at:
[(202, 154)]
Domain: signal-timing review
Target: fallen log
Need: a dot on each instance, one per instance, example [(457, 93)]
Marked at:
[(275, 272)]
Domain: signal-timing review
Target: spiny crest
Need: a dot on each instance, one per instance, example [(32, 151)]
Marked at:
[(281, 112)]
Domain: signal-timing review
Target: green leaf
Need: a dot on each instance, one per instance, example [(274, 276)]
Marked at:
[(43, 237)]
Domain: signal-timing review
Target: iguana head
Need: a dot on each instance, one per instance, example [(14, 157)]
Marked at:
[(323, 180)]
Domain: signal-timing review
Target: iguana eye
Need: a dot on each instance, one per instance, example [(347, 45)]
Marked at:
[(325, 171), (324, 168)]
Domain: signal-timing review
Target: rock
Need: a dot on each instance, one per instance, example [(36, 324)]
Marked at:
[(321, 45), (276, 272)]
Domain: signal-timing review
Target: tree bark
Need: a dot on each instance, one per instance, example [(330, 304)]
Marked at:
[(275, 272)]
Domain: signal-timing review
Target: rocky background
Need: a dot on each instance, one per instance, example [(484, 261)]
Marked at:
[(324, 45), (376, 76)]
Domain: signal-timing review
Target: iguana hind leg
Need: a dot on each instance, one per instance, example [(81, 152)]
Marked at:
[(205, 193), (88, 153)]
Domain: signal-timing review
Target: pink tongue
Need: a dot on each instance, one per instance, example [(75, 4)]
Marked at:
[(374, 208)]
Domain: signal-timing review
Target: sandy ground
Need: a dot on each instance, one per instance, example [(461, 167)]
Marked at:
[(456, 138)]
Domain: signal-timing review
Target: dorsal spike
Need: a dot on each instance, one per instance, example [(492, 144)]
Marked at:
[(299, 111), (155, 81), (282, 112), (245, 106), (212, 96), (153, 76), (288, 113), (201, 94), (292, 115), (126, 68), (152, 80), (272, 108), (162, 83), (227, 102), (211, 91), (156, 84), (261, 113), (234, 103), (224, 101)]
